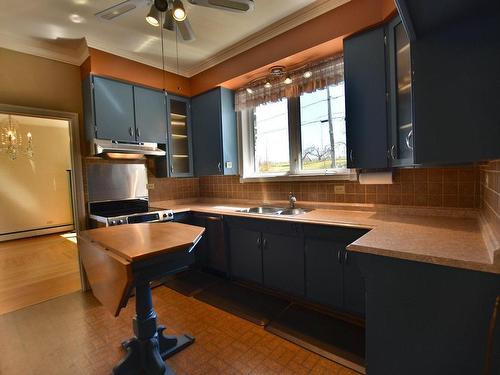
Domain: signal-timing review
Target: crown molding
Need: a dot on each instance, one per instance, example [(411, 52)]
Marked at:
[(45, 49), (295, 19), (77, 56)]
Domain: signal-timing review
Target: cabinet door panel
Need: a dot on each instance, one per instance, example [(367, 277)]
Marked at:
[(114, 110), (365, 96), (246, 254), (180, 135), (207, 133), (229, 133), (324, 272), (354, 285), (283, 262), (150, 115)]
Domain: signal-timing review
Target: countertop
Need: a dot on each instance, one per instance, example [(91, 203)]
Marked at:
[(430, 238)]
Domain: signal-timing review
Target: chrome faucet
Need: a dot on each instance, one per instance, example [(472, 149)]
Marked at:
[(292, 200)]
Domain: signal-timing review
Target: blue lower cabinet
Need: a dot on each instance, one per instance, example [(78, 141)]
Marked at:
[(324, 272), (353, 284), (283, 262), (246, 254)]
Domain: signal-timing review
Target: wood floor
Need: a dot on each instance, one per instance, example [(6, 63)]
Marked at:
[(36, 269), (75, 335)]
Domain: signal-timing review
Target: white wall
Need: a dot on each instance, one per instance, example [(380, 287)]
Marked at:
[(36, 193)]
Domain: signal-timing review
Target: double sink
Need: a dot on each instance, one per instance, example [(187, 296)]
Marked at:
[(263, 210)]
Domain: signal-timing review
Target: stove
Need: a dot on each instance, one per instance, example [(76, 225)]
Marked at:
[(118, 195), (129, 211)]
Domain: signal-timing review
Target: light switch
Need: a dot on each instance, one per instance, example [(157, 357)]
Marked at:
[(229, 164), (339, 189)]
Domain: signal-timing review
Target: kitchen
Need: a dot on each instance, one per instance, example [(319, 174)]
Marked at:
[(320, 197)]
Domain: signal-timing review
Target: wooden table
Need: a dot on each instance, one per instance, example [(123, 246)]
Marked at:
[(120, 258)]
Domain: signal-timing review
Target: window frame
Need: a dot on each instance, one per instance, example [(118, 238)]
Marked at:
[(246, 142)]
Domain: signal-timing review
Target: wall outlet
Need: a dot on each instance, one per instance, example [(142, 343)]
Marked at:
[(150, 186), (339, 189), (229, 164)]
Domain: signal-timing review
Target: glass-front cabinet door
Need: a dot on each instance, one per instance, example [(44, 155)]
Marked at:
[(401, 143), (180, 150)]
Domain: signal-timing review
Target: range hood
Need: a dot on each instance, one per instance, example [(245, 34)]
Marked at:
[(101, 147)]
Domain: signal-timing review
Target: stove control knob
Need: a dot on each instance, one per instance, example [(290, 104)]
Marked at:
[(170, 214), (121, 221), (164, 216), (112, 222)]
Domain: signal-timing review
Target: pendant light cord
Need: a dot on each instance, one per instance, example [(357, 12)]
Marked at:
[(177, 47), (162, 53)]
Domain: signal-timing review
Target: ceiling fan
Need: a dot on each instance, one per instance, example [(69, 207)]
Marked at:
[(175, 15)]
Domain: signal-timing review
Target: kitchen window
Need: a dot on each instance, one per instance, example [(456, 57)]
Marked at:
[(299, 137)]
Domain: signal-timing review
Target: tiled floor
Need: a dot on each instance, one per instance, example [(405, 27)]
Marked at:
[(74, 334)]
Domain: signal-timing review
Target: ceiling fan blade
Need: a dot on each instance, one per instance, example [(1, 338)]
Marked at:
[(186, 30), (120, 8), (230, 5)]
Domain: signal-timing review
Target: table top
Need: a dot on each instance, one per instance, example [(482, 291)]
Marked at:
[(135, 242)]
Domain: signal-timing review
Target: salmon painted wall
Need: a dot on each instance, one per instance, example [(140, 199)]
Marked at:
[(344, 20), (108, 65), (315, 39)]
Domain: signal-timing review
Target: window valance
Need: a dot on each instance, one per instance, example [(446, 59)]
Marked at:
[(306, 79)]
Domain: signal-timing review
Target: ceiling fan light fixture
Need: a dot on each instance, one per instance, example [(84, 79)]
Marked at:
[(249, 90), (288, 80), (268, 85), (153, 17), (308, 74), (179, 13)]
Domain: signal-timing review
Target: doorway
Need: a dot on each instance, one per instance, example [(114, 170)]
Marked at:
[(41, 206)]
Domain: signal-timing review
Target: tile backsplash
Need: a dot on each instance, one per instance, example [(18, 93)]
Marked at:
[(490, 195), (426, 187)]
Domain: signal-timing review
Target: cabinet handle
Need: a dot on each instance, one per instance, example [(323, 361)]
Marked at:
[(351, 158), (339, 256), (264, 244), (409, 143), (346, 256), (392, 152), (219, 166), (131, 131), (138, 132), (258, 241), (171, 168)]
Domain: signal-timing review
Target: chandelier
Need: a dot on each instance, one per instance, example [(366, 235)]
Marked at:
[(12, 142)]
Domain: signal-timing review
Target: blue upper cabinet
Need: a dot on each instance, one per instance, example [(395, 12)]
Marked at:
[(123, 112), (179, 133), (150, 115), (400, 95), (366, 99), (214, 133), (113, 110), (455, 52)]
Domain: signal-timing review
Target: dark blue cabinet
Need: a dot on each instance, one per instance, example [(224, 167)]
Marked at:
[(366, 99), (113, 110), (245, 253), (180, 151), (332, 274), (123, 112), (323, 272), (214, 133), (283, 263), (150, 115)]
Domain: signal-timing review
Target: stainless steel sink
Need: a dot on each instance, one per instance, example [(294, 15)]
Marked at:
[(262, 210), (294, 211), (275, 210)]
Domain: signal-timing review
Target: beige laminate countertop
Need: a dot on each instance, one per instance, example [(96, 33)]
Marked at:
[(449, 241)]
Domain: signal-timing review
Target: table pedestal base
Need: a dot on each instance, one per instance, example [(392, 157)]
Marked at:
[(147, 351)]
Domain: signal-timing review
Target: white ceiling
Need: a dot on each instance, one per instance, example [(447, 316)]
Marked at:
[(41, 26)]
